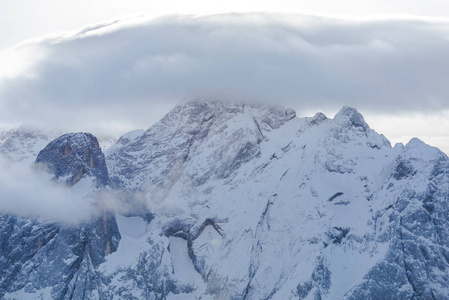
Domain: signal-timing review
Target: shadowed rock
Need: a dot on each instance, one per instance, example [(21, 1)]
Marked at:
[(75, 155)]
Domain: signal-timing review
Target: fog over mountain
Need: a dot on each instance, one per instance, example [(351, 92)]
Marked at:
[(222, 200), (233, 156), (93, 79)]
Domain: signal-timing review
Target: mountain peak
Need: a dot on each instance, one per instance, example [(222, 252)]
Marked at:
[(195, 113), (415, 142), (417, 149), (352, 117), (318, 118), (214, 182), (75, 155)]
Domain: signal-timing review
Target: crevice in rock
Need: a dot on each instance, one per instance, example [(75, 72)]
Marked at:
[(282, 177), (74, 268), (260, 131), (207, 222), (335, 196), (406, 267), (286, 148), (256, 249)]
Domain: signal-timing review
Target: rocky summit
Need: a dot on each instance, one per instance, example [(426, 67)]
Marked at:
[(240, 201), (75, 155)]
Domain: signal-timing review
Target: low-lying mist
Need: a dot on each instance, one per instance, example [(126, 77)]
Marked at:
[(28, 191)]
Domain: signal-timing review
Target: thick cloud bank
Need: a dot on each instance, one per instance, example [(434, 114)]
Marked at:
[(126, 75), (28, 192)]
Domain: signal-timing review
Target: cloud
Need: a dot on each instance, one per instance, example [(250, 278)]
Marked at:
[(432, 128), (126, 75), (29, 191)]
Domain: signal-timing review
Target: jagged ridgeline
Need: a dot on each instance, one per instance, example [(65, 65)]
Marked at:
[(240, 202)]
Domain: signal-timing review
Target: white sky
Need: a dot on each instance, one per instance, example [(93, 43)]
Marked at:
[(25, 19)]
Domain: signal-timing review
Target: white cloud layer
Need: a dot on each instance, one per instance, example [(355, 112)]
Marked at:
[(28, 192), (126, 75)]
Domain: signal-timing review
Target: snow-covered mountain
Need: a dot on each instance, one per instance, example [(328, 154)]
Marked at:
[(23, 144), (241, 202), (75, 155)]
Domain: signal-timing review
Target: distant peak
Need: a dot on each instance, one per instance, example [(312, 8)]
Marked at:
[(318, 118), (415, 142), (420, 148), (352, 115)]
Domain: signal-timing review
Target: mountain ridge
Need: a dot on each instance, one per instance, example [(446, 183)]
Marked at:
[(251, 202)]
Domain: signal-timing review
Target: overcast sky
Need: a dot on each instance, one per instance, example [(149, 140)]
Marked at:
[(126, 72), (23, 19)]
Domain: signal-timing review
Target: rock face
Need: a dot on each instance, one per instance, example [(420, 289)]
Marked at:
[(36, 255), (50, 260), (157, 156), (74, 156), (246, 202)]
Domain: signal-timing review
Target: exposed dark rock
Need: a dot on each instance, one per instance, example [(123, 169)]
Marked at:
[(41, 254), (337, 234), (335, 196), (403, 170), (318, 118), (318, 285), (36, 254), (75, 155)]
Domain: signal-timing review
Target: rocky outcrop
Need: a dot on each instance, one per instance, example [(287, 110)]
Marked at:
[(35, 254), (38, 254), (73, 156)]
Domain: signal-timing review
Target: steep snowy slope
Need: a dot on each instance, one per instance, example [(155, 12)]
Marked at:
[(250, 202), (272, 206), (23, 144)]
